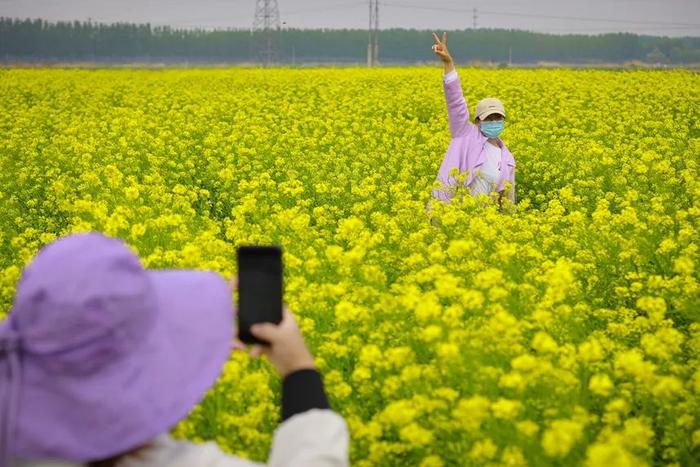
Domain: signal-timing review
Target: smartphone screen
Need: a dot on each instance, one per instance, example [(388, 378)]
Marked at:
[(259, 288)]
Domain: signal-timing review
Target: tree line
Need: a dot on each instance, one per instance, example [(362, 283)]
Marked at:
[(36, 39)]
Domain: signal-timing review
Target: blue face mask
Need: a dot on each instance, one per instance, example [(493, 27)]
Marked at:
[(492, 129)]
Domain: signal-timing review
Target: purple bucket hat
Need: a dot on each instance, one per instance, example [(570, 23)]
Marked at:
[(100, 355)]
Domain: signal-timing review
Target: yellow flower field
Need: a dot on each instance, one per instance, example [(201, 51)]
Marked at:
[(562, 331)]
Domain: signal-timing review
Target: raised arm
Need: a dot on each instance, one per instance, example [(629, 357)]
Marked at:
[(457, 109)]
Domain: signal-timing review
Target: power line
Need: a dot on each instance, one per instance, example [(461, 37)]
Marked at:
[(527, 15), (341, 6), (581, 18), (418, 7), (635, 29)]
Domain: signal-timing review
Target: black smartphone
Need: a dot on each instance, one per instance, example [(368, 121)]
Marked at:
[(259, 288)]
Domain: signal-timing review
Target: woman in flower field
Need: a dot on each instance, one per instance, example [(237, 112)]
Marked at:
[(100, 357), (475, 148)]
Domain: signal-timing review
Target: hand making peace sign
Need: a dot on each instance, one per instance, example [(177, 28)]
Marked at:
[(440, 48)]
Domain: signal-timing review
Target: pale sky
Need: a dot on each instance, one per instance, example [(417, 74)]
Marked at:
[(654, 17)]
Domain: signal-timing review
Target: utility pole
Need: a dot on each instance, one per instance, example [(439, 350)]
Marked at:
[(266, 26), (474, 17), (373, 44), (510, 55), (93, 38)]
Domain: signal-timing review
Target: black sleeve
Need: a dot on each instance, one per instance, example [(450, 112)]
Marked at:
[(302, 390)]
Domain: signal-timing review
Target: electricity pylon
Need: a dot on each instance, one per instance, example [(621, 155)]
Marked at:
[(266, 27)]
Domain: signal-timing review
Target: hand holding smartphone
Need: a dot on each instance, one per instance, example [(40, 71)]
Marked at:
[(259, 289)]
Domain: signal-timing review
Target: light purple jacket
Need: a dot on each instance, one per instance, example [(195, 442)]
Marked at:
[(466, 150)]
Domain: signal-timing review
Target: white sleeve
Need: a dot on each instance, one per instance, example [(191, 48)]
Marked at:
[(315, 438), (451, 76), (166, 451)]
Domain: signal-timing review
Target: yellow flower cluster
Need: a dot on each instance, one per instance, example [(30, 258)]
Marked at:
[(563, 330)]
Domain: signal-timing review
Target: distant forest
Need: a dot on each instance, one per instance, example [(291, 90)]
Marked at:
[(35, 39)]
